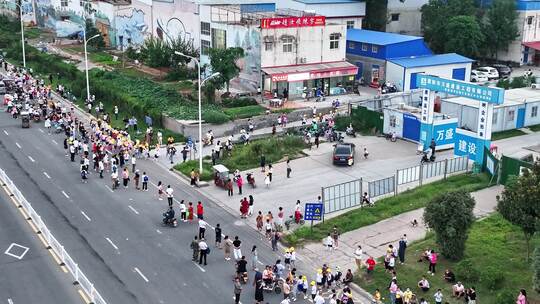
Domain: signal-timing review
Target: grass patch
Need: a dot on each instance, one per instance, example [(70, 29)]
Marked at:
[(534, 128), (32, 33), (245, 157), (496, 249), (244, 112), (388, 207), (506, 134), (185, 168)]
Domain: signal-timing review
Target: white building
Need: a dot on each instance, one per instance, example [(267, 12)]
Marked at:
[(404, 17)]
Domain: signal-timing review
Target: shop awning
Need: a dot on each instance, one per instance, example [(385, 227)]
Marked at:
[(533, 45), (311, 71)]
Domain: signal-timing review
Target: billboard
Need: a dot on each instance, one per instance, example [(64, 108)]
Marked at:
[(274, 23)]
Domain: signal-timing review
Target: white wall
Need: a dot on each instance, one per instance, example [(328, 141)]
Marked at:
[(444, 71), (398, 129), (527, 33), (409, 22), (529, 121), (394, 74), (312, 43)]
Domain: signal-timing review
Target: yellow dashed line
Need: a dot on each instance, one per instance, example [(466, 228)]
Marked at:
[(83, 295)]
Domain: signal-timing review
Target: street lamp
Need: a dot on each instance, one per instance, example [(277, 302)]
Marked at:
[(200, 109), (86, 61), (22, 31)]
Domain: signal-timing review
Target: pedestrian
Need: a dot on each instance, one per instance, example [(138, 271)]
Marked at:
[(145, 180), (160, 190), (195, 247), (280, 219), (267, 181), (237, 290), (259, 221), (227, 245), (203, 251), (366, 153), (169, 193), (522, 297), (329, 242), (72, 153), (184, 154), (293, 257), (335, 236), (114, 178), (258, 284), (183, 211), (289, 168), (190, 212), (438, 296), (125, 177), (270, 171), (213, 156), (432, 262), (200, 210), (136, 179), (275, 240), (402, 245), (250, 209), (172, 152), (133, 163), (218, 236), (237, 248), (229, 185), (317, 140), (254, 258), (286, 287), (101, 167), (193, 178), (239, 183), (202, 228), (358, 257), (115, 112), (263, 162)]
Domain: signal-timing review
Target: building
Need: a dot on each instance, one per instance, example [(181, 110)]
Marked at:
[(348, 12), (404, 16), (284, 49), (399, 58), (520, 109)]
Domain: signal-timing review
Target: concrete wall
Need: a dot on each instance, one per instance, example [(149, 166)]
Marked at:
[(394, 74), (444, 71), (529, 120), (409, 22)]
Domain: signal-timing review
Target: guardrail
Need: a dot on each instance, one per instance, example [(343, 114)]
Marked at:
[(55, 245)]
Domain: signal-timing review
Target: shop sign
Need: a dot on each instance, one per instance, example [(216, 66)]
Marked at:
[(280, 77), (273, 23), (461, 88), (328, 74)]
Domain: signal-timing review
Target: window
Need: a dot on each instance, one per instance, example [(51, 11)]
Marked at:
[(534, 111), (219, 39), (511, 115), (494, 119), (81, 3), (394, 17), (268, 45), (205, 47), (63, 3), (352, 45), (364, 47), (350, 24), (393, 121), (334, 41), (287, 44), (530, 20), (374, 49), (205, 28)]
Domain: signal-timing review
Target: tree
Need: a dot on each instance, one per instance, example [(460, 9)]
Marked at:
[(501, 27), (223, 61), (185, 47), (450, 215), (91, 31), (156, 53), (519, 203), (536, 269), (375, 15), (464, 36)]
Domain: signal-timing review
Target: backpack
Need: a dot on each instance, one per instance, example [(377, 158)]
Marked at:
[(208, 250), (145, 178)]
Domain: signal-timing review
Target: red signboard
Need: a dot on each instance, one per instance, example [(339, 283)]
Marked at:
[(273, 23), (314, 75)]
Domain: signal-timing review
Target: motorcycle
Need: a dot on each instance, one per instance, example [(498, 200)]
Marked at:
[(350, 132), (388, 88), (250, 179), (391, 137), (298, 219), (425, 158), (167, 221)]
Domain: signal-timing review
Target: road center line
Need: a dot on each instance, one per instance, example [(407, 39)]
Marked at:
[(47, 175), (140, 273), (133, 209), (158, 231), (40, 130), (54, 141), (199, 266), (86, 216), (31, 159), (65, 194), (5, 132), (18, 146), (111, 242), (112, 191), (10, 301)]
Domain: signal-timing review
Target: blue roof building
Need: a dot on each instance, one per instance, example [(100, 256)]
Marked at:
[(399, 58)]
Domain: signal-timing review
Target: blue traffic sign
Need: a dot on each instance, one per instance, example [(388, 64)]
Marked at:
[(314, 211)]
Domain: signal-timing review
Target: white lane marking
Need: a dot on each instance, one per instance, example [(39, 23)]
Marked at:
[(18, 146), (158, 231), (234, 298), (65, 194), (140, 273), (40, 130), (31, 159), (86, 216), (20, 255), (133, 209), (199, 266), (110, 189), (5, 132), (111, 242), (10, 301), (47, 175), (153, 184), (54, 141)]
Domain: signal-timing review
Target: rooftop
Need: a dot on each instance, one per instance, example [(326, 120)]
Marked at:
[(378, 38), (512, 97), (421, 61), (327, 1)]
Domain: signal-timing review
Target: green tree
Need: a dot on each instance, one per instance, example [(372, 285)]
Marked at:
[(464, 36), (375, 15), (223, 61), (519, 203), (185, 47), (156, 53), (91, 31), (536, 269), (501, 26), (450, 215)]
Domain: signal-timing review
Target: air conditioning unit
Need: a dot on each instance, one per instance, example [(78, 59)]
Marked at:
[(303, 60)]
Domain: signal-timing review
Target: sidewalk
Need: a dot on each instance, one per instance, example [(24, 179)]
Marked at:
[(375, 238)]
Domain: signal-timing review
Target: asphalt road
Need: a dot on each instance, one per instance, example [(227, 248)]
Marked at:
[(116, 236), (29, 273)]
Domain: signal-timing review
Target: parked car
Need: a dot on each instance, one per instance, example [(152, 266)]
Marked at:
[(343, 154), (491, 72), (477, 76), (504, 70)]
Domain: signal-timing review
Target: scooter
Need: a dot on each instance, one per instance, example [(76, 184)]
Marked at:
[(350, 132), (391, 137), (425, 158), (251, 179), (171, 222)]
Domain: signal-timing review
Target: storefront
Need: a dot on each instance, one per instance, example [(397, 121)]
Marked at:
[(332, 78)]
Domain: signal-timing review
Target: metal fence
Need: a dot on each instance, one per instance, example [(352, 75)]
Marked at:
[(426, 171), (382, 186), (55, 245), (342, 196)]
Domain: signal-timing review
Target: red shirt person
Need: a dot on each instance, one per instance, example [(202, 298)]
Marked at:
[(200, 211)]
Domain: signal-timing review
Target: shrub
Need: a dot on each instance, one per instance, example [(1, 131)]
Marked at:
[(215, 117), (506, 295), (181, 73), (185, 168), (244, 112), (536, 269), (156, 53), (238, 102), (467, 271), (492, 277)]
